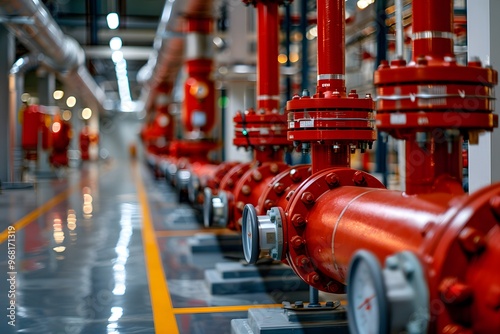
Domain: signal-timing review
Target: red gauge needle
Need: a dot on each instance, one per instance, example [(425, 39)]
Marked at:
[(366, 303)]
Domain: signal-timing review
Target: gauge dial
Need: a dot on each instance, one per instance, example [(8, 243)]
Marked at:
[(368, 309)]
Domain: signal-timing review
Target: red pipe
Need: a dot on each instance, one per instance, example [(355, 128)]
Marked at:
[(331, 46), (432, 28), (325, 156), (267, 56), (455, 238), (426, 164)]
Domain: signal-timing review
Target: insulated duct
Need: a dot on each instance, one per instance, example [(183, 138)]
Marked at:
[(165, 63), (33, 25)]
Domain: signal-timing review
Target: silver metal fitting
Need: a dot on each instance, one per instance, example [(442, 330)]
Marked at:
[(262, 234)]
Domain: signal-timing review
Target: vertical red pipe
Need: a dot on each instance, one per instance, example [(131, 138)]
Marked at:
[(432, 28), (331, 46), (331, 75), (323, 156), (267, 56), (425, 165)]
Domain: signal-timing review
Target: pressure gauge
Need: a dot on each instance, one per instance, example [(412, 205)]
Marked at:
[(368, 310), (390, 300)]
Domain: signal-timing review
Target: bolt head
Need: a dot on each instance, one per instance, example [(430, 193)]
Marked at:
[(240, 206), (302, 261), (472, 240), (279, 188), (297, 242), (454, 292), (268, 204), (274, 168), (312, 278), (295, 175), (298, 220), (332, 180), (359, 179), (246, 190), (257, 176), (307, 198)]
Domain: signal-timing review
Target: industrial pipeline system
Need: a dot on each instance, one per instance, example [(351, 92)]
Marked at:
[(439, 245)]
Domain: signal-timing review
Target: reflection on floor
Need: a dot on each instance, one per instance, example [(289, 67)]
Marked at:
[(107, 249)]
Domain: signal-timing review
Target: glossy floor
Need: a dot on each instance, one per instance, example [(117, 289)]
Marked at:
[(105, 248)]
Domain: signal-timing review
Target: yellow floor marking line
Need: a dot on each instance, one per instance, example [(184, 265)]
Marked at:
[(221, 309), (33, 215), (163, 314), (188, 233)]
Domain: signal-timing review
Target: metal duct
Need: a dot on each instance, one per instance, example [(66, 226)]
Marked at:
[(168, 58), (33, 25)]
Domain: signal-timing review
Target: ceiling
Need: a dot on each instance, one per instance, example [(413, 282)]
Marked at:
[(85, 21)]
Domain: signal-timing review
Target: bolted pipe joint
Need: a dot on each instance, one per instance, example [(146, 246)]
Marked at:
[(215, 209), (262, 234)]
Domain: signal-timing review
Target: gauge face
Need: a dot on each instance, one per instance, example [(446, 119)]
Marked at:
[(368, 310)]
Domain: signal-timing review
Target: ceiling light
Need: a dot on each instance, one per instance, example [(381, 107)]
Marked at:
[(58, 94), (71, 101), (113, 20), (86, 113), (115, 43)]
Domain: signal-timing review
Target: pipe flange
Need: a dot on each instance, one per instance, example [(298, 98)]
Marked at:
[(228, 182), (300, 204), (285, 182), (215, 181), (434, 94), (250, 187), (331, 117), (260, 129), (456, 251)]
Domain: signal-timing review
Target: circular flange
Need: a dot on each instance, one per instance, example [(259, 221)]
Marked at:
[(264, 128), (302, 204), (331, 118), (280, 187), (250, 187)]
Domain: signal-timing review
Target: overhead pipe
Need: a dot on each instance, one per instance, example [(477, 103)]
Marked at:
[(169, 45), (451, 282), (40, 33)]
